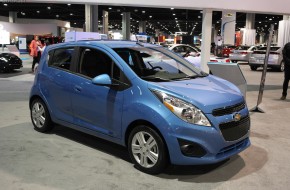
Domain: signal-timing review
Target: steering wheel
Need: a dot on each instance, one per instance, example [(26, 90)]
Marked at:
[(156, 67)]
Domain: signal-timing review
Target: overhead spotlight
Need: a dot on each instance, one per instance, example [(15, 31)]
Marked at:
[(68, 4), (48, 8), (110, 8), (56, 16), (150, 16), (38, 11), (5, 4), (71, 14), (171, 8), (143, 12)]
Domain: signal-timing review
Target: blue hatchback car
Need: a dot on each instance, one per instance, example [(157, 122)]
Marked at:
[(141, 96)]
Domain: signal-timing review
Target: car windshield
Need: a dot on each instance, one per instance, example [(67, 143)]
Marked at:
[(242, 48), (158, 64)]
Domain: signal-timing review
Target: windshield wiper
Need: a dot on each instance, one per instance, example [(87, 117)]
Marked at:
[(153, 78), (189, 77)]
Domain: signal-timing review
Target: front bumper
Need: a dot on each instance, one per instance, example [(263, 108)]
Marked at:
[(210, 139)]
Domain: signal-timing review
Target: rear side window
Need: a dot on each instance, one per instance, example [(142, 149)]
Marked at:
[(61, 58)]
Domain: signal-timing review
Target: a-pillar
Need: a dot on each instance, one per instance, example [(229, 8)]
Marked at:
[(142, 27), (105, 22), (126, 25), (228, 28), (12, 16), (206, 38), (91, 13)]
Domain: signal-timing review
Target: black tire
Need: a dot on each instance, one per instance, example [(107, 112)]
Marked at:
[(40, 116), (158, 148), (253, 68)]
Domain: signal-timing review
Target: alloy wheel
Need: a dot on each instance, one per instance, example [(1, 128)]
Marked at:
[(145, 149), (38, 115)]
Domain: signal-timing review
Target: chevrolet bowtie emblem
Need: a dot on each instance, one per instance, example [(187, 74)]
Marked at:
[(237, 117)]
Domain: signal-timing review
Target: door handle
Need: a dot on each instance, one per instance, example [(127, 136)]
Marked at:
[(77, 88)]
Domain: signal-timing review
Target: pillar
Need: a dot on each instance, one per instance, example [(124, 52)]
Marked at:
[(206, 38), (12, 16), (142, 27), (126, 25), (250, 21), (286, 17), (105, 22), (91, 14), (262, 38), (228, 28)]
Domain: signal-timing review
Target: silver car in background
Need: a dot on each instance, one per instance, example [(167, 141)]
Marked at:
[(242, 53), (275, 58)]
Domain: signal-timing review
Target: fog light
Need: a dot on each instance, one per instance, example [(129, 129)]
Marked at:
[(191, 149)]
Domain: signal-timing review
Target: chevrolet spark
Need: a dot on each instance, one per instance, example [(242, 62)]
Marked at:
[(142, 96)]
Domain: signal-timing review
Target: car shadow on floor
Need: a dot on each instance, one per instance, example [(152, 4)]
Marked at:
[(233, 168), (92, 141)]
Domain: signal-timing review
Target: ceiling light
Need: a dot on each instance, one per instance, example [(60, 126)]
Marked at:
[(110, 8), (150, 16), (71, 14), (173, 14), (260, 22), (68, 4), (199, 17), (38, 11), (57, 16), (121, 14), (175, 18), (171, 8), (5, 4), (270, 19), (48, 8), (143, 12), (75, 23)]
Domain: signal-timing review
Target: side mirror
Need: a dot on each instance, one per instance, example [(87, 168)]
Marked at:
[(102, 80)]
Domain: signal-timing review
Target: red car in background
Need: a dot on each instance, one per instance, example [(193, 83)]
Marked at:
[(227, 49)]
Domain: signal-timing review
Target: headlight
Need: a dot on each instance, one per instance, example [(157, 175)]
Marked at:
[(185, 111)]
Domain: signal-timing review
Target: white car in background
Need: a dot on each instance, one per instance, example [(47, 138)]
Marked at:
[(242, 53), (183, 49)]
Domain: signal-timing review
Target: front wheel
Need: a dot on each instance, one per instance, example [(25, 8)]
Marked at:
[(147, 150), (40, 116)]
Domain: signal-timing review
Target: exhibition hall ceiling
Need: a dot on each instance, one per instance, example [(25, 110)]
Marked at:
[(169, 20)]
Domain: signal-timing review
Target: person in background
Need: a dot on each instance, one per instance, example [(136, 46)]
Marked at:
[(41, 49), (286, 58), (34, 51)]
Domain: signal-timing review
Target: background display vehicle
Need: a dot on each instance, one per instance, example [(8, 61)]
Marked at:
[(242, 53), (275, 59), (9, 62), (185, 49), (227, 48), (141, 96)]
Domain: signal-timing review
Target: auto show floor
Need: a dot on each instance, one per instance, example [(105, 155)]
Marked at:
[(68, 159)]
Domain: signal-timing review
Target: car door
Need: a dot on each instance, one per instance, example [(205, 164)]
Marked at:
[(56, 85), (98, 108)]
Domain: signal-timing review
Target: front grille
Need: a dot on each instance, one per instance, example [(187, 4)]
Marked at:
[(235, 129), (228, 110)]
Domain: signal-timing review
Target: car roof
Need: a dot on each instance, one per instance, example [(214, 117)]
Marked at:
[(108, 43)]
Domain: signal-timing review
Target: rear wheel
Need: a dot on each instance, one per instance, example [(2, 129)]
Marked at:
[(253, 68), (40, 116), (147, 150)]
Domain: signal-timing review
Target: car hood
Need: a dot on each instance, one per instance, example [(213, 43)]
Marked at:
[(206, 93)]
